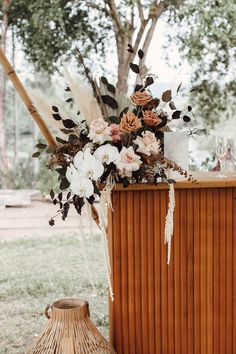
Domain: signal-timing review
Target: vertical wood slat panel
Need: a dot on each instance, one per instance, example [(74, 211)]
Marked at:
[(234, 271), (196, 273), (124, 271), (151, 271), (164, 284), (144, 273), (229, 270), (216, 269), (137, 280), (177, 281), (209, 270), (189, 306), (190, 263), (223, 239), (131, 274), (203, 266), (157, 279), (183, 273)]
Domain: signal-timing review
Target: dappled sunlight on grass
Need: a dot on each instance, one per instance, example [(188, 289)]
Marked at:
[(35, 272)]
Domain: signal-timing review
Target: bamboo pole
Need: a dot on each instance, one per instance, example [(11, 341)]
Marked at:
[(11, 74)]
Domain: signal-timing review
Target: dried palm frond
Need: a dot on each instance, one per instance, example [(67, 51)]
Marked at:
[(69, 331)]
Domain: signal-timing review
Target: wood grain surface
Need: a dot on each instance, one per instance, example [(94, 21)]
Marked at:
[(188, 307)]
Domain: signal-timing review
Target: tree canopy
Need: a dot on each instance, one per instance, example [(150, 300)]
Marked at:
[(205, 32)]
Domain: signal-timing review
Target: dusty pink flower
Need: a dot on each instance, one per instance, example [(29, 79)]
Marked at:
[(99, 131), (115, 132), (128, 162), (148, 143)]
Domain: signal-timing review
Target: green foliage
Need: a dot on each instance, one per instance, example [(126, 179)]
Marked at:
[(205, 32), (49, 30)]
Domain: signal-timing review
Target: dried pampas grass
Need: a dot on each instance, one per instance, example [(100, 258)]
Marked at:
[(83, 97), (43, 106)]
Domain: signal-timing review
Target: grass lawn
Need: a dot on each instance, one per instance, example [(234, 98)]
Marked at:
[(35, 272)]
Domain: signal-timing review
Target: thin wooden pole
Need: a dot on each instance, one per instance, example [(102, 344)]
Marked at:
[(11, 74)]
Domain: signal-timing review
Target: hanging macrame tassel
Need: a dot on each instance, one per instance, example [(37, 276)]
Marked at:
[(84, 251), (169, 225), (105, 203)]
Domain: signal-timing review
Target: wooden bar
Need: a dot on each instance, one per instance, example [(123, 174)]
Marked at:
[(190, 305)]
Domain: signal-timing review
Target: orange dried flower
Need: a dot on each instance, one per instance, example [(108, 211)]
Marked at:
[(130, 122), (151, 118), (141, 98)]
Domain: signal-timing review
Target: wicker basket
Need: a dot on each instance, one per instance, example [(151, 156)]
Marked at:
[(69, 331)]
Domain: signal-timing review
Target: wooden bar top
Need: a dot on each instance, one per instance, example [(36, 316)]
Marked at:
[(201, 180)]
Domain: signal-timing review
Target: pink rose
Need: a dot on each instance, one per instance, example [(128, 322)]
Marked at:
[(115, 132), (128, 162), (99, 131), (148, 143)]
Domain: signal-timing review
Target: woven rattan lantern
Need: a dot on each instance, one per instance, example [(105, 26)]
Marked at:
[(69, 331)]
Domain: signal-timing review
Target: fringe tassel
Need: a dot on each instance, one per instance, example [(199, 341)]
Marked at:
[(105, 203), (169, 224)]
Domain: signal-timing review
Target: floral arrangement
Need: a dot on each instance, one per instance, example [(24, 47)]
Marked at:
[(115, 139)]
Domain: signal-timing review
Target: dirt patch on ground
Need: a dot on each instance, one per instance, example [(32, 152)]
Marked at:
[(32, 220)]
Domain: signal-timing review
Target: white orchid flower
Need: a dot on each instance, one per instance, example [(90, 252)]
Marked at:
[(87, 165), (107, 153), (81, 186)]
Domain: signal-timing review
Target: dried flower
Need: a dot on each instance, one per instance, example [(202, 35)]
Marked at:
[(128, 162), (148, 144), (130, 122), (151, 118), (141, 98)]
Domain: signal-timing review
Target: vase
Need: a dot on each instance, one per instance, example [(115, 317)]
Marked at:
[(69, 331)]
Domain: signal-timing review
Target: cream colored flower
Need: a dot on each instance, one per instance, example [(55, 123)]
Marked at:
[(128, 162), (99, 131), (148, 144), (87, 165)]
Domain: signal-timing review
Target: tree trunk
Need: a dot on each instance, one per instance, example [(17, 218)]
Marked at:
[(3, 135)]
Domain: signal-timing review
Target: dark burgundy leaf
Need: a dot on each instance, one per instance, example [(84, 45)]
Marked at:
[(78, 203), (61, 171), (60, 141), (179, 87), (52, 194), (186, 119), (68, 195), (149, 81), (125, 110), (55, 109), (91, 199), (111, 88), (60, 196), (67, 89), (114, 119), (166, 96), (190, 108), (56, 116), (141, 53), (138, 88), (104, 80), (130, 50), (134, 68), (69, 99), (36, 154), (64, 183), (176, 115), (110, 101), (41, 146), (68, 123), (172, 105)]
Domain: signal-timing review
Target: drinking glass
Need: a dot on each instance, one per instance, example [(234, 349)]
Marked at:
[(221, 150)]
